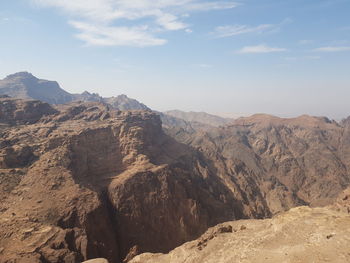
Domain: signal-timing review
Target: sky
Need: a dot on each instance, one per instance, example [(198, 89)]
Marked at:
[(281, 57)]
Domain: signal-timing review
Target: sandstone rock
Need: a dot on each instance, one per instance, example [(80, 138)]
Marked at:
[(343, 202), (109, 187), (289, 162), (300, 235), (15, 111), (96, 260), (112, 184)]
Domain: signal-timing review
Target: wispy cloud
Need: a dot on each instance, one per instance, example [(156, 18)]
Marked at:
[(305, 42), (260, 49), (234, 30), (332, 49), (115, 36), (229, 31), (144, 20)]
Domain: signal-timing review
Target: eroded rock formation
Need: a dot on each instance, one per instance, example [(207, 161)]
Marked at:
[(82, 181), (300, 161), (88, 182)]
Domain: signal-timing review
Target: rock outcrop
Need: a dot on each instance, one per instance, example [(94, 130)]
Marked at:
[(343, 202), (17, 111), (302, 234)]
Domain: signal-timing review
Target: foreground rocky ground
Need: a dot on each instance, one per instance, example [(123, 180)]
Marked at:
[(81, 181), (302, 234)]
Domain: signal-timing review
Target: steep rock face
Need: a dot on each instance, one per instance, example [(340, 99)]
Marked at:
[(89, 182), (302, 234), (291, 161)]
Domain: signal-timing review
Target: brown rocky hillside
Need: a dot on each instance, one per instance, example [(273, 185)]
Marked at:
[(85, 182), (81, 181), (299, 161)]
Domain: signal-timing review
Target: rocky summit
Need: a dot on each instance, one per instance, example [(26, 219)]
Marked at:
[(26, 86), (84, 180)]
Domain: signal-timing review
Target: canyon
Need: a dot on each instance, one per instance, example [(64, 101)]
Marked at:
[(93, 179)]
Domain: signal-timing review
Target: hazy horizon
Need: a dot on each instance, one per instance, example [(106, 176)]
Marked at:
[(285, 59)]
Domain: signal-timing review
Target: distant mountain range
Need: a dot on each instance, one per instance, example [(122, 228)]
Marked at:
[(201, 117), (26, 86)]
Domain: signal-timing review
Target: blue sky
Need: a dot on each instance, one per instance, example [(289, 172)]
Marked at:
[(283, 57)]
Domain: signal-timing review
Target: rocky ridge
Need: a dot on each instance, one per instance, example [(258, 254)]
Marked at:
[(200, 117)]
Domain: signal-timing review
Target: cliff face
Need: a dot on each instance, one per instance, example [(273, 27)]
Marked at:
[(86, 182)]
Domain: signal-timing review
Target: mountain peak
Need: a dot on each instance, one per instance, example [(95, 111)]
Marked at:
[(22, 75), (26, 86)]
